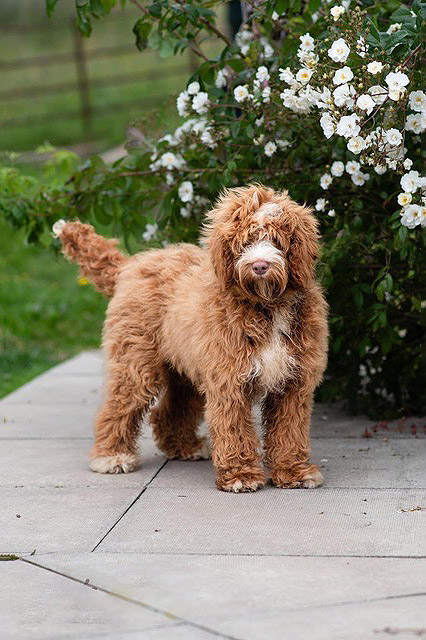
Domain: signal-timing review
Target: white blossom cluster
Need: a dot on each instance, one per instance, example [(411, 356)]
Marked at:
[(347, 103)]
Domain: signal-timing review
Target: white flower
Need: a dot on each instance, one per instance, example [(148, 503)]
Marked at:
[(414, 123), (342, 96), (58, 227), (170, 161), (182, 103), (207, 138), (259, 140), (352, 167), (283, 144), (262, 74), (343, 75), (275, 16), (348, 126), (327, 124), (259, 121), (356, 144), (286, 75), (320, 204), (361, 47), (380, 169), (396, 81), (266, 94), (200, 102), (336, 12), (374, 67), (331, 213), (404, 199), (307, 58), (193, 88), (417, 101), (221, 78), (303, 76), (268, 51), (410, 181), (393, 137), (186, 191), (359, 178), (170, 178), (365, 103), (270, 148), (326, 180), (337, 169), (378, 93), (339, 51), (185, 212), (241, 93), (307, 42), (150, 232), (422, 215), (407, 164), (410, 216), (322, 98), (394, 27)]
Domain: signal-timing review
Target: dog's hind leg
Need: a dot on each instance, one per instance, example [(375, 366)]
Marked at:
[(131, 391), (176, 418)]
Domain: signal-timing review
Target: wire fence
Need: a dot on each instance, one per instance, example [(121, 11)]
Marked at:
[(81, 81)]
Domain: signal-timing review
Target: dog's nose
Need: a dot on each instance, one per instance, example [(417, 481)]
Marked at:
[(260, 267)]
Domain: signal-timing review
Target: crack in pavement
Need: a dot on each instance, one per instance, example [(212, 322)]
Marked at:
[(139, 603), (144, 488)]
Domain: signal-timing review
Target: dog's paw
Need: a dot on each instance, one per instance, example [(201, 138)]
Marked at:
[(203, 452), (238, 481), (307, 478), (119, 463)]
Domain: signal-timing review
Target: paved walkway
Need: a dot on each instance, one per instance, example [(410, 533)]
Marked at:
[(161, 554)]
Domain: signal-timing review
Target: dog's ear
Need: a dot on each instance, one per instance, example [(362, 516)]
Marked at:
[(221, 256), (304, 248)]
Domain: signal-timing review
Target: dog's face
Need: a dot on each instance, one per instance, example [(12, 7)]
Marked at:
[(261, 243)]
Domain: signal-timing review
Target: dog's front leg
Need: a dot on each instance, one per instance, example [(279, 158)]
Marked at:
[(286, 420), (235, 447)]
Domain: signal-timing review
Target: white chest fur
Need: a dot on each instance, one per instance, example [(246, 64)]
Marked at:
[(273, 364)]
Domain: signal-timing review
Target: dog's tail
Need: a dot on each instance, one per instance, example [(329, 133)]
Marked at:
[(98, 258)]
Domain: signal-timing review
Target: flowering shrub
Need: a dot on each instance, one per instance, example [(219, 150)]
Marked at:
[(325, 101)]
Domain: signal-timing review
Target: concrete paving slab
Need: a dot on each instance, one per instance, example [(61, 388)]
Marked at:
[(58, 519), (274, 521), (38, 421), (39, 604), (404, 619), (64, 463), (265, 591), (177, 631), (344, 463), (57, 390)]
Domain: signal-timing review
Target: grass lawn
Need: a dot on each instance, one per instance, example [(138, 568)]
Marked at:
[(45, 314)]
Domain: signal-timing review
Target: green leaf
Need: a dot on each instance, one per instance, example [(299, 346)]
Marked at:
[(50, 5), (142, 30)]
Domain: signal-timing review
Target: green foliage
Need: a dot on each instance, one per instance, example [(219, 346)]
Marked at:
[(371, 266)]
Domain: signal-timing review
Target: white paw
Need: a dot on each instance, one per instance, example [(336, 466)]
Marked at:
[(237, 486), (58, 228), (313, 480), (202, 453), (120, 463)]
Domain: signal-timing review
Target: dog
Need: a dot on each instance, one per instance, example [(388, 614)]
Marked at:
[(209, 330)]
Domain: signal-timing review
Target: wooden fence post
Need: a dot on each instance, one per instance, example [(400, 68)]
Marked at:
[(82, 80)]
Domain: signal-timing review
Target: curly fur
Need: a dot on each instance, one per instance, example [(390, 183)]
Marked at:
[(196, 330)]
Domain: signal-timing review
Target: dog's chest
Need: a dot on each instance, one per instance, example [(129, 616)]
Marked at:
[(273, 363)]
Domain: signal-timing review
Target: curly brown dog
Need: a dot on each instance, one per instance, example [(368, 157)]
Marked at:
[(211, 330)]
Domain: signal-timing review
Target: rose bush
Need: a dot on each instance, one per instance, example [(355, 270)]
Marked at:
[(325, 100)]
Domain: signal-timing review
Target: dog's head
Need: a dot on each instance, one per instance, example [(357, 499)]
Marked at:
[(261, 242)]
